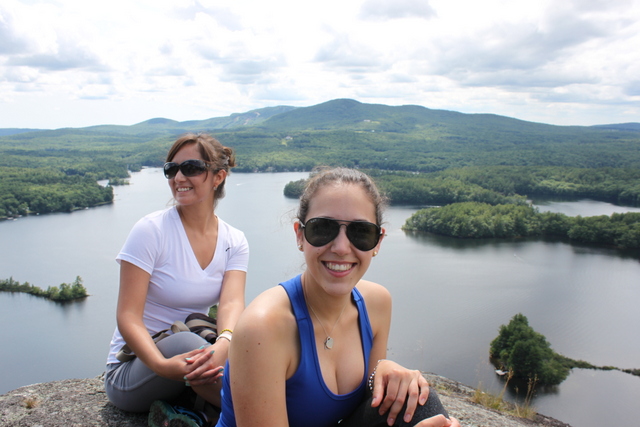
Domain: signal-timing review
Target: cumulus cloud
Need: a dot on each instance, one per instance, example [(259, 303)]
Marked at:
[(10, 41), (247, 71), (342, 52), (66, 57), (173, 57), (384, 9)]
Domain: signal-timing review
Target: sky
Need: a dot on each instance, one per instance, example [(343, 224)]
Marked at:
[(77, 63)]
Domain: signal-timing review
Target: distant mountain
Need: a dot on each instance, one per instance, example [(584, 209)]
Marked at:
[(332, 115), (348, 113), (347, 132), (15, 131), (621, 126)]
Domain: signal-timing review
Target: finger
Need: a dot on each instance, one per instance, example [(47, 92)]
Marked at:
[(396, 401), (209, 377), (390, 393), (437, 421), (412, 401), (205, 371), (424, 390)]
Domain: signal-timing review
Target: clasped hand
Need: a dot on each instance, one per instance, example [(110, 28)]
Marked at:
[(196, 367), (394, 384)]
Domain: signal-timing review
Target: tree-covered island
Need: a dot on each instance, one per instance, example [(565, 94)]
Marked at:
[(66, 292), (527, 355)]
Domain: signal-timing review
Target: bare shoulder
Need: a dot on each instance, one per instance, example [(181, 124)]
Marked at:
[(375, 295), (265, 341), (267, 312)]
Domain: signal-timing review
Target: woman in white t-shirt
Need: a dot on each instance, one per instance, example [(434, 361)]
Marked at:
[(175, 262)]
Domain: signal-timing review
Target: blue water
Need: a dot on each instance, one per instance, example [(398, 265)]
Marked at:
[(450, 295)]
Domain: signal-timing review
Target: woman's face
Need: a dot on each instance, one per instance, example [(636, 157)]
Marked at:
[(188, 191), (338, 266)]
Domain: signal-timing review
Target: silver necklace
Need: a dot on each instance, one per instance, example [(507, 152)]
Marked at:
[(328, 342)]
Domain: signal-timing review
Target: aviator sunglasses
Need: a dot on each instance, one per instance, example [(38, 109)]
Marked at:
[(362, 234), (189, 168)]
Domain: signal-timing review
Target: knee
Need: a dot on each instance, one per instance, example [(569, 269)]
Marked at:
[(180, 343)]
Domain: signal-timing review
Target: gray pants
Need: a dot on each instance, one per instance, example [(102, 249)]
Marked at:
[(132, 386)]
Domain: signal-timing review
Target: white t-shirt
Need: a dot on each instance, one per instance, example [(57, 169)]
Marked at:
[(178, 286)]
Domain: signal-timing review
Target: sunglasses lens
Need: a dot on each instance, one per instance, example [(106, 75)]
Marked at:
[(188, 168), (193, 167), (363, 235), (320, 231), (170, 169)]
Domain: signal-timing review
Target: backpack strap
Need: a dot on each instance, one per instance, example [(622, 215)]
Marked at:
[(125, 353)]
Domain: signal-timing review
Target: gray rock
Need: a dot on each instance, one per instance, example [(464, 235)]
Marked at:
[(83, 402)]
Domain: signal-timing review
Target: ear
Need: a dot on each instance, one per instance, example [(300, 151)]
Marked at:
[(219, 177), (299, 233), (384, 233)]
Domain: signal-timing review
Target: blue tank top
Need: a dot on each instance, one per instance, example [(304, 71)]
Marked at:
[(310, 403)]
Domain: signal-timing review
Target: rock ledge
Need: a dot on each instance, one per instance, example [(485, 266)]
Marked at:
[(83, 402)]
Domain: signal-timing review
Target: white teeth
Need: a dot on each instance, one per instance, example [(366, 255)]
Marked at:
[(180, 190), (338, 267)]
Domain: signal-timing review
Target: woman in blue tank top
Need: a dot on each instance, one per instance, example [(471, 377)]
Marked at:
[(312, 351)]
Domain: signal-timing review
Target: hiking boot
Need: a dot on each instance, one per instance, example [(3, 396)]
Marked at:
[(162, 414)]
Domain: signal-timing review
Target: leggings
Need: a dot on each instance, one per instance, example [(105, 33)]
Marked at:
[(366, 416), (132, 386)]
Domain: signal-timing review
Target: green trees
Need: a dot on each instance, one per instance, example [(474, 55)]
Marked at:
[(66, 292), (46, 190), (527, 353), (481, 220)]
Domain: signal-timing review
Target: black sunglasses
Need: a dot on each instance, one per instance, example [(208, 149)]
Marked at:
[(193, 167), (362, 234)]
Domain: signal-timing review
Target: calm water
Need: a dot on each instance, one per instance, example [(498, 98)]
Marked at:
[(450, 296)]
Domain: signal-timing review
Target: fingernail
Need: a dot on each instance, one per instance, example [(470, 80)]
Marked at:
[(390, 421), (187, 384), (212, 351), (184, 378), (202, 346), (187, 358)]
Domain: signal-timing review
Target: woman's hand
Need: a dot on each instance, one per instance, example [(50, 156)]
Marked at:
[(176, 367), (439, 421), (207, 366), (394, 384)]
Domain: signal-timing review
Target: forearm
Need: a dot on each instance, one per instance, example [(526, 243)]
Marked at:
[(140, 342)]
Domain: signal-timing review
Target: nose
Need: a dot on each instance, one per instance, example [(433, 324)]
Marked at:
[(341, 243)]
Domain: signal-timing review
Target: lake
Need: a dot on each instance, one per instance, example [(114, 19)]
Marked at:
[(450, 295)]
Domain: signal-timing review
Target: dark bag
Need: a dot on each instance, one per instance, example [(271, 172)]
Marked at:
[(197, 323)]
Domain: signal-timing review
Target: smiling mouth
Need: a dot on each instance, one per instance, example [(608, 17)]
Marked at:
[(183, 189), (334, 266)]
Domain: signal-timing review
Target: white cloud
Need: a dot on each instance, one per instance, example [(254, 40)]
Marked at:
[(125, 61)]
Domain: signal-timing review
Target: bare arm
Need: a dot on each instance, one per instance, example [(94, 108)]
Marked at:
[(260, 359)]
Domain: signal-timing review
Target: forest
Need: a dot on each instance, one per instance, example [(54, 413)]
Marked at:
[(66, 292), (418, 155), (527, 355)]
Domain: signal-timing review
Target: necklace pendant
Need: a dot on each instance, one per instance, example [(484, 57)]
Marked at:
[(328, 343)]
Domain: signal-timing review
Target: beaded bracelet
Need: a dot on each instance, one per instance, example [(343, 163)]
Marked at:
[(226, 330), (373, 374)]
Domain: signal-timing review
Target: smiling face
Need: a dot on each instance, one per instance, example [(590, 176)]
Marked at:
[(189, 191), (338, 266)]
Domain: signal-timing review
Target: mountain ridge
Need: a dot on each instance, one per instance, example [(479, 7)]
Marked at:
[(341, 111)]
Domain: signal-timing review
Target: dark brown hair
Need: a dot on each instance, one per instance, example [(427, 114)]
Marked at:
[(217, 156), (336, 176)]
